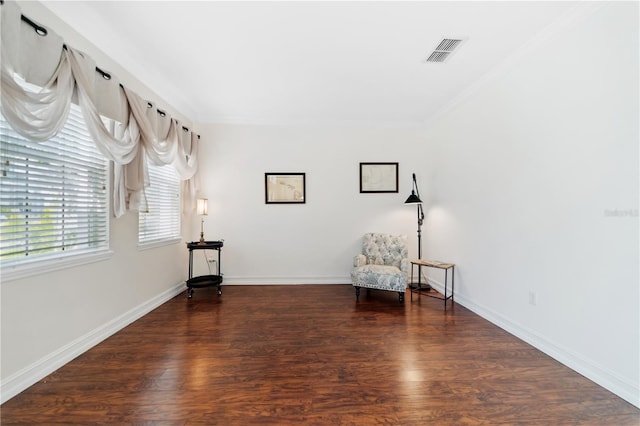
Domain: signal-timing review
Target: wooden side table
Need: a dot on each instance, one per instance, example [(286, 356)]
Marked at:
[(439, 265)]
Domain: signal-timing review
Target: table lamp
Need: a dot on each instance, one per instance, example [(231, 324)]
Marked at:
[(202, 210)]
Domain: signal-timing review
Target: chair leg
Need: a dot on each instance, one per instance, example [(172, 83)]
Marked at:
[(400, 297), (357, 293)]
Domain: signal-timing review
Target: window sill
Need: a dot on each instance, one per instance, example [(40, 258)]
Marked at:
[(147, 245), (44, 266)]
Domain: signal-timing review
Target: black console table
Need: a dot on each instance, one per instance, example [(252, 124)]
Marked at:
[(204, 280)]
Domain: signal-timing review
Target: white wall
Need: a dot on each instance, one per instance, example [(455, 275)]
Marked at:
[(529, 172), (313, 242), (48, 319)]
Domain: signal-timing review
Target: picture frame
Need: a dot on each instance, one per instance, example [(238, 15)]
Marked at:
[(285, 188), (378, 177)]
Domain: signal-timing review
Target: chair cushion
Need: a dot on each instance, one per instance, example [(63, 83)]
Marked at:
[(385, 249), (381, 277)]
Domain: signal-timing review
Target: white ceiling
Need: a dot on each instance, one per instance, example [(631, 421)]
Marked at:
[(307, 62)]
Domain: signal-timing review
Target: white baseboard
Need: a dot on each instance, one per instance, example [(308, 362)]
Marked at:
[(21, 380), (598, 374), (284, 280)]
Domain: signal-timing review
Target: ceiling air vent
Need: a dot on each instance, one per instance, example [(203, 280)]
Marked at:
[(444, 50)]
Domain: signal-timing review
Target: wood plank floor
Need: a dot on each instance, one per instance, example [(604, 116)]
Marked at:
[(312, 355)]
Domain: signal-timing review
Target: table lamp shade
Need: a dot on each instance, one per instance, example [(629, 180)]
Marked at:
[(202, 206)]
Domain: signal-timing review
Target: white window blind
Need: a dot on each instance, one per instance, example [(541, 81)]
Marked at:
[(53, 194), (162, 221)]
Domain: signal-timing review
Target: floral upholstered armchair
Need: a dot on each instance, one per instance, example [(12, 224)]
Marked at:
[(383, 264)]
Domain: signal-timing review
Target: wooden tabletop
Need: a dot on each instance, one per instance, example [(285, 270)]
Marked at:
[(433, 263)]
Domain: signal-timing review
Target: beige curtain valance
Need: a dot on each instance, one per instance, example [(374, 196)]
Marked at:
[(41, 76)]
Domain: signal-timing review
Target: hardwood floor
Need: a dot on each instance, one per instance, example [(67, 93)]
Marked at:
[(312, 355)]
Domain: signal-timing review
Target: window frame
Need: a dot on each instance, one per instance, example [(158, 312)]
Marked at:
[(163, 240), (38, 264)]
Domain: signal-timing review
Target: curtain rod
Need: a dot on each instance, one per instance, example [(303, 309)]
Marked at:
[(42, 31)]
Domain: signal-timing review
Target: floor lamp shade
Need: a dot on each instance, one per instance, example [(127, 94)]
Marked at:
[(413, 199)]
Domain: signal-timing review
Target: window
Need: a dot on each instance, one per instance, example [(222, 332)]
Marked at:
[(162, 222), (54, 197)]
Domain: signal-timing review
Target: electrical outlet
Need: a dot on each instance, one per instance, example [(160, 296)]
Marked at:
[(533, 298)]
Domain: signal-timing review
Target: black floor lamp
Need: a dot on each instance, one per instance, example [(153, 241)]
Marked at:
[(414, 198)]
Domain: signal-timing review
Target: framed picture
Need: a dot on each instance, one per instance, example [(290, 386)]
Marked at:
[(378, 177), (284, 188)]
